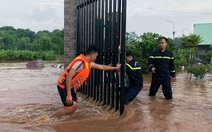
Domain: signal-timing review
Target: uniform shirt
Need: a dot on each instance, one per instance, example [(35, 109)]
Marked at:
[(134, 72), (163, 63), (78, 66)]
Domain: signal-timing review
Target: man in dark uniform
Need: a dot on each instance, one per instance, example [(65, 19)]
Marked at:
[(133, 70), (161, 64)]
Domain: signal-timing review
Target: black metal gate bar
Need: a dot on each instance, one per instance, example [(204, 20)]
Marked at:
[(104, 13), (116, 45), (91, 18), (111, 73), (89, 35), (84, 35), (113, 84), (98, 45), (101, 45), (102, 23), (95, 43), (123, 54)]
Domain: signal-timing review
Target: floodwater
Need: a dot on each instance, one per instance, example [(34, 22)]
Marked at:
[(28, 93)]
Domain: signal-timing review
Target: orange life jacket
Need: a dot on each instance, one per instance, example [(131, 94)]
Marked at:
[(79, 78)]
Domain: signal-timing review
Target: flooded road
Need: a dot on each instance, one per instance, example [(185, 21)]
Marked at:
[(26, 94)]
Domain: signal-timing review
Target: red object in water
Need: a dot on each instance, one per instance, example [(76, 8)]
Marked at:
[(35, 64)]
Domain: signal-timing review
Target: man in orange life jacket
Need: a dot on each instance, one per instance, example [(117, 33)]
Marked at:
[(74, 76), (161, 64)]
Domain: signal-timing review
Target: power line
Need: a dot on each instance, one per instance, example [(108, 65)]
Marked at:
[(197, 13)]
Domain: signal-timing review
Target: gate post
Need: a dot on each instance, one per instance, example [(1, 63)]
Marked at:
[(70, 30)]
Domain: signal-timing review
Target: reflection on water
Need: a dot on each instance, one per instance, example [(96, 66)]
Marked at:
[(26, 94)]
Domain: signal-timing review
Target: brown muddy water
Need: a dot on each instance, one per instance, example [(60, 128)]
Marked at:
[(26, 94)]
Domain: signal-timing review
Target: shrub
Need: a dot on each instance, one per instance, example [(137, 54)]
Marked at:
[(26, 55), (199, 70)]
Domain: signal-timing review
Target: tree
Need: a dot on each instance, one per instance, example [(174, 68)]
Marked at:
[(207, 58), (25, 33), (1, 42), (190, 45), (16, 42), (131, 37), (191, 41), (199, 70), (142, 47), (25, 39), (57, 41), (42, 43)]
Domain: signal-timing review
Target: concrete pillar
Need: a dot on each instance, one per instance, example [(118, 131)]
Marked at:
[(70, 30)]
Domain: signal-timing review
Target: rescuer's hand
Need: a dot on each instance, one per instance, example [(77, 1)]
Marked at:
[(174, 79), (110, 64), (69, 99), (153, 70), (118, 66)]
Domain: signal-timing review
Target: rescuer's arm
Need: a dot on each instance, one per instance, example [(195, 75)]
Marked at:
[(172, 68), (69, 86), (151, 63), (106, 67)]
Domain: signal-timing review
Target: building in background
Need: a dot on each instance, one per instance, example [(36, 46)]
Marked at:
[(204, 30)]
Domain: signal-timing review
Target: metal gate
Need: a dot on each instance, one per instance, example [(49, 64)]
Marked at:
[(102, 23)]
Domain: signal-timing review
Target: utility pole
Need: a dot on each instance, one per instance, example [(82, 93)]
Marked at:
[(173, 28)]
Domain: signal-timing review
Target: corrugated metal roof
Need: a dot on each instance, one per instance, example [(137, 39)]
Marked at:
[(205, 31)]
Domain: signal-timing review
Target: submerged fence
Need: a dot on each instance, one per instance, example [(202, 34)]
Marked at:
[(102, 23)]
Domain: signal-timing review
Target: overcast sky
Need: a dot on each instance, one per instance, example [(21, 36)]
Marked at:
[(142, 15)]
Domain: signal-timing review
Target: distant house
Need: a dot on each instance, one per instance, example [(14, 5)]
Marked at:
[(204, 30)]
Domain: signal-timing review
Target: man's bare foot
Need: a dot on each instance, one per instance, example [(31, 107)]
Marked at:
[(40, 118)]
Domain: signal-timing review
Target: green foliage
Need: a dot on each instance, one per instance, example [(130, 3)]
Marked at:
[(26, 55), (180, 60), (199, 70), (183, 48), (190, 41), (142, 47), (131, 38), (188, 47), (25, 39), (50, 55), (207, 58), (24, 44)]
